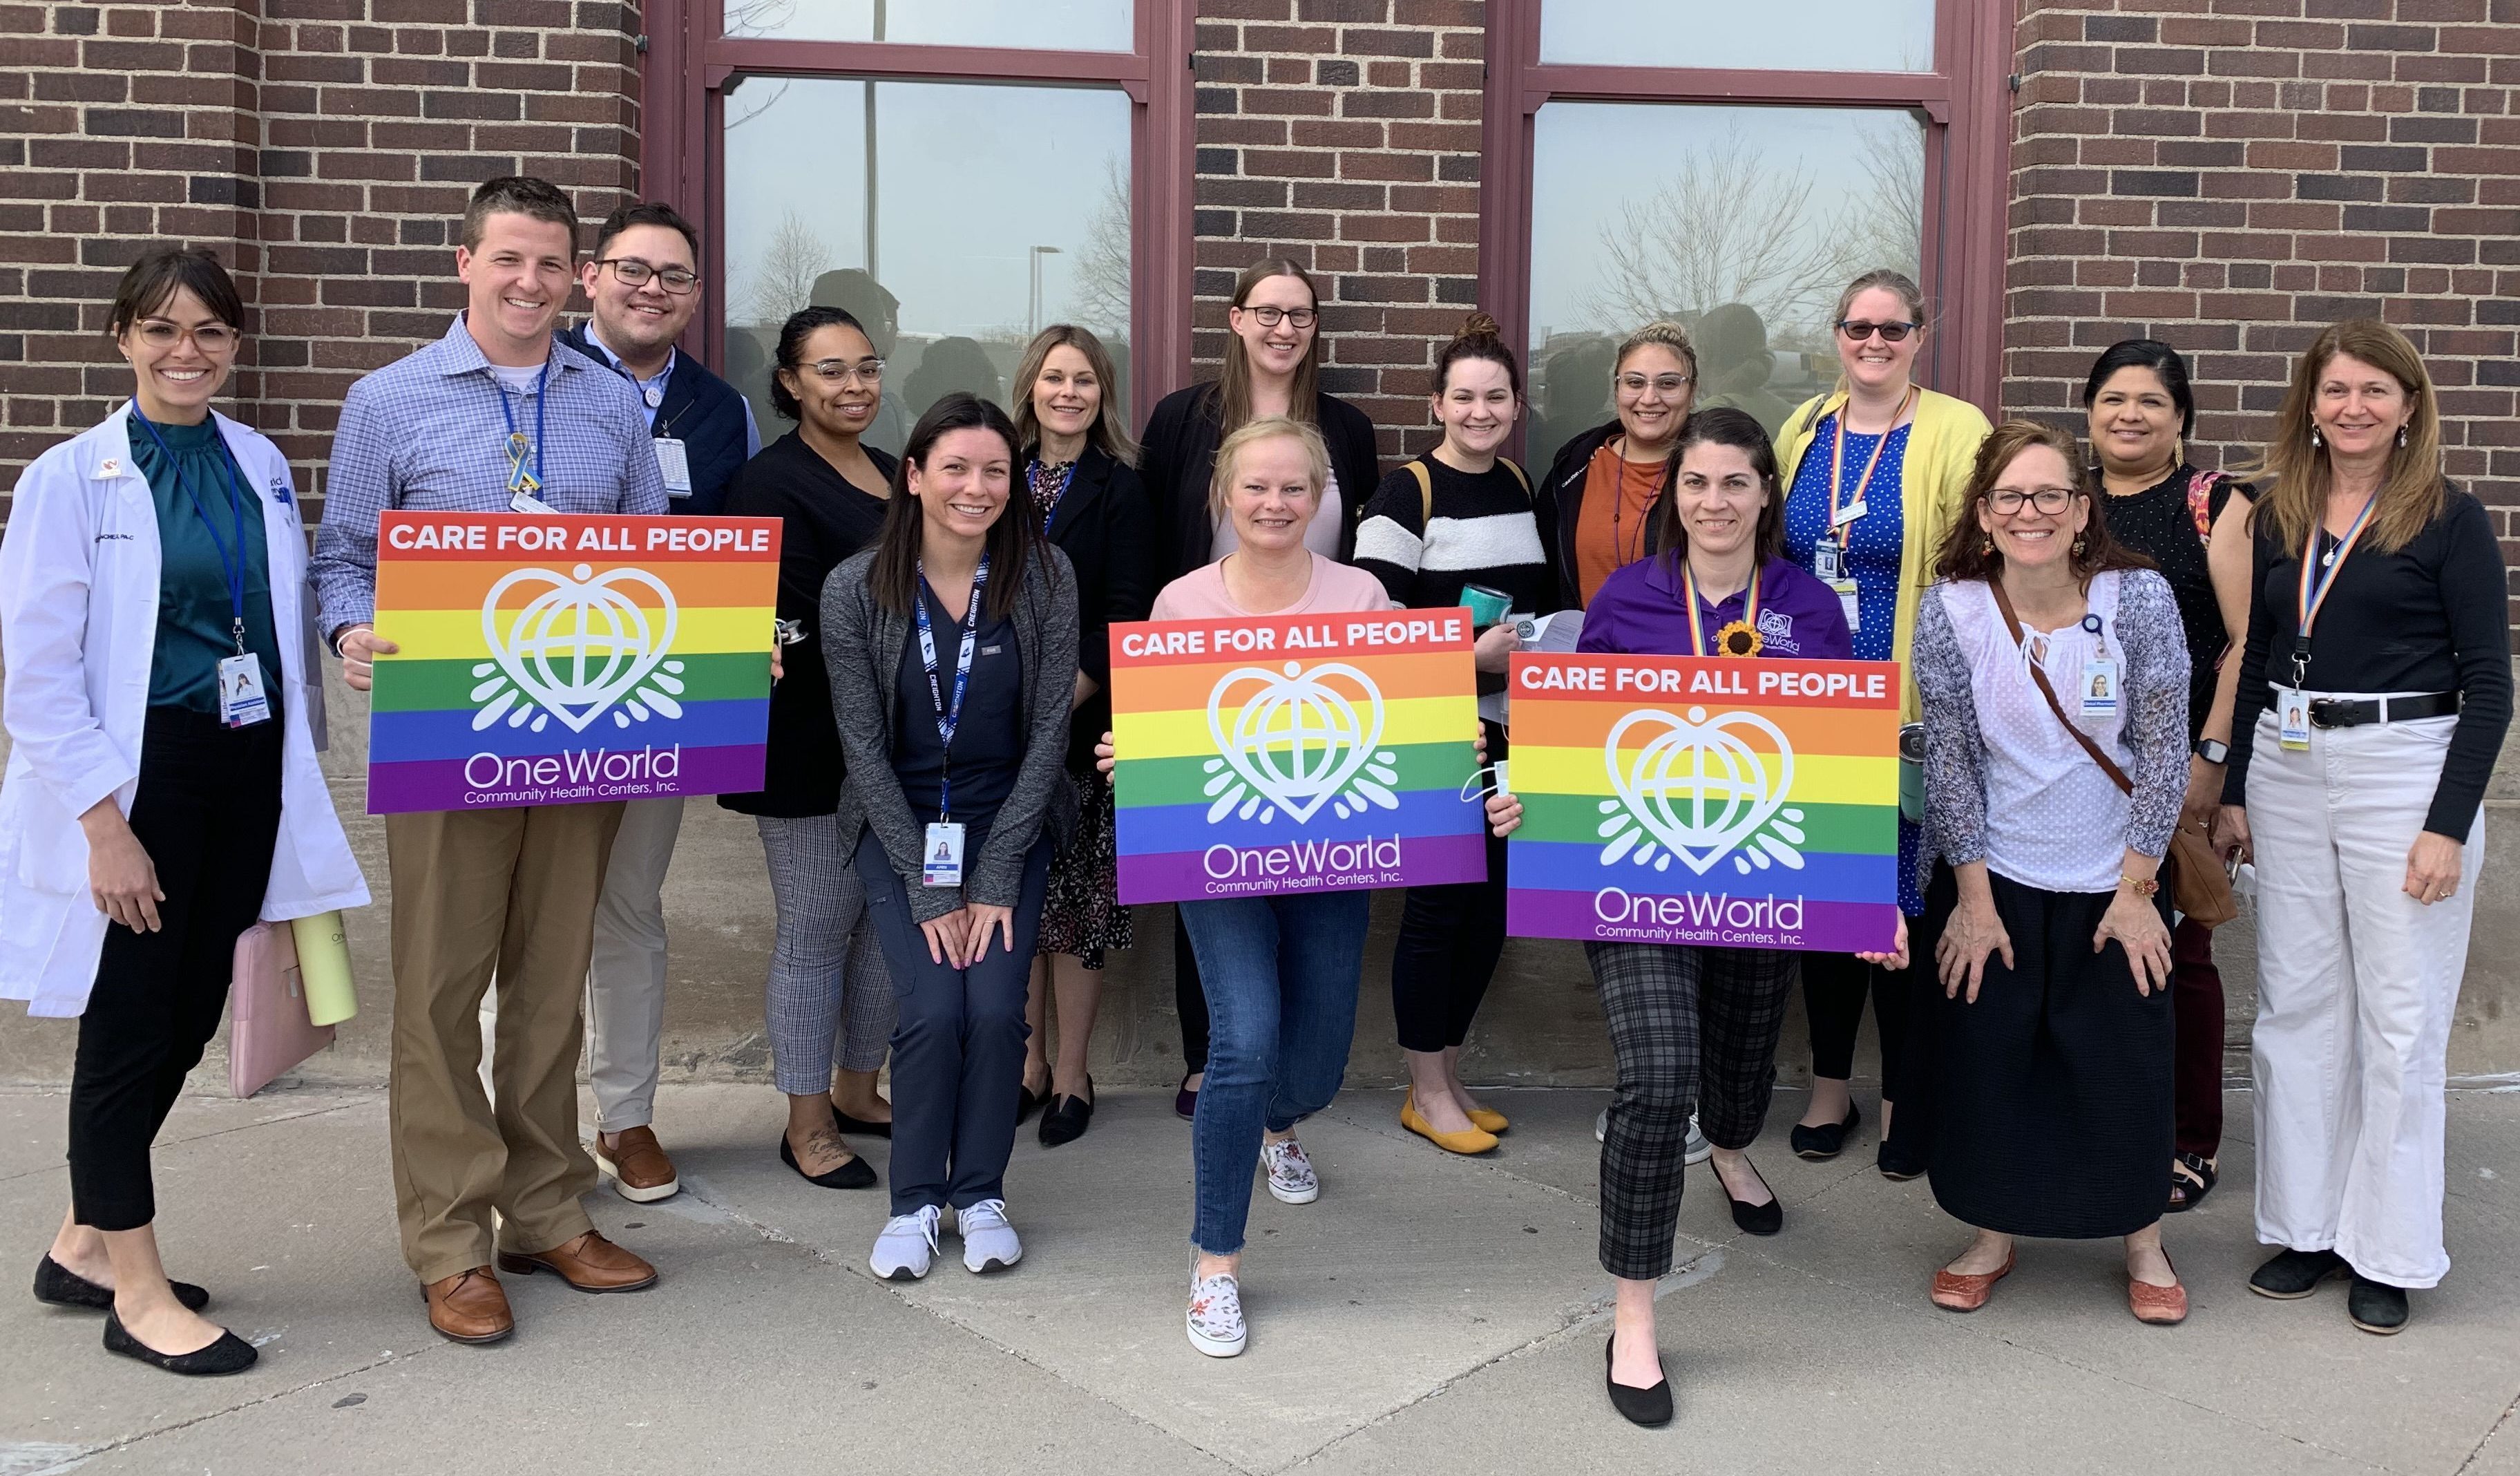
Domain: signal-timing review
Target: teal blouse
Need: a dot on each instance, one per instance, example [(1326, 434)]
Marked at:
[(193, 611)]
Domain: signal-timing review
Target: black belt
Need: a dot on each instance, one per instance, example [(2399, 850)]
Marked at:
[(2354, 712)]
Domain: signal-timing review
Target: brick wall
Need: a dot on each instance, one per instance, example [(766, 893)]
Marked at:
[(2231, 183), (1345, 134), (323, 148)]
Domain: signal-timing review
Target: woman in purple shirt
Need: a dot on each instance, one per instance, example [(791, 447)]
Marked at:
[(1693, 1025)]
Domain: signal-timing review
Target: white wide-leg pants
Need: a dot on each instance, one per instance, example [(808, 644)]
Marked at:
[(2357, 982)]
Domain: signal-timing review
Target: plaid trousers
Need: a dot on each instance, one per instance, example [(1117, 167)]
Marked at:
[(1689, 1025)]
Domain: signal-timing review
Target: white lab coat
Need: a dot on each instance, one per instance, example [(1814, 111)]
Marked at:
[(78, 626)]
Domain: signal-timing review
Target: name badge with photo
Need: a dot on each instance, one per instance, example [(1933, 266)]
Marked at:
[(2099, 688), (943, 852), (241, 697), (2293, 717)]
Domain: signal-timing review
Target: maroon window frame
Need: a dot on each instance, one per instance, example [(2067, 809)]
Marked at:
[(690, 59), (1966, 102)]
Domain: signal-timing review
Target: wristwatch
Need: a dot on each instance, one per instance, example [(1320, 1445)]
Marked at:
[(2145, 888), (2212, 751)]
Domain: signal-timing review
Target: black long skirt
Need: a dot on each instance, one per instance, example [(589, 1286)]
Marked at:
[(2053, 1094)]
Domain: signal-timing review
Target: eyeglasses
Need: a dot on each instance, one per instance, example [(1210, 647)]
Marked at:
[(210, 337), (1660, 384), (1857, 329), (842, 372), (2008, 500), (673, 279), (1271, 317)]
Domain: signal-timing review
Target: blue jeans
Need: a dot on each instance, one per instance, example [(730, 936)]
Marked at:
[(1281, 975)]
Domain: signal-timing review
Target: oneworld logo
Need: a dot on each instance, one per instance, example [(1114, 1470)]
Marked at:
[(1697, 790), (1298, 740), (581, 647)]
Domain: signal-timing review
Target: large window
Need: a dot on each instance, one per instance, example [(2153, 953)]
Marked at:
[(1733, 173), (955, 198)]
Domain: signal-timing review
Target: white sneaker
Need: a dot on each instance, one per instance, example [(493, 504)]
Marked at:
[(1292, 1179), (1698, 1151), (989, 1243), (1216, 1315), (908, 1245)]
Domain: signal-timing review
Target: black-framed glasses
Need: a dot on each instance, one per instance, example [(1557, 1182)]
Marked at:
[(2008, 500), (1857, 329), (677, 280), (842, 371), (1271, 317), (210, 337)]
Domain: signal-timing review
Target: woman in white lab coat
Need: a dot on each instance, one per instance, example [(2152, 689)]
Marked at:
[(163, 791)]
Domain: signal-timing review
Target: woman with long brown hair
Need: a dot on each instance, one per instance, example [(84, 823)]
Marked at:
[(2374, 692)]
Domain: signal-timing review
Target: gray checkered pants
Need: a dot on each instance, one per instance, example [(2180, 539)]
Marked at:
[(826, 956), (1689, 1025)]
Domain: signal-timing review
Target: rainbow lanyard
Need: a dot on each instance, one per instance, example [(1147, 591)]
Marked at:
[(1838, 517), (1698, 622), (2318, 579)]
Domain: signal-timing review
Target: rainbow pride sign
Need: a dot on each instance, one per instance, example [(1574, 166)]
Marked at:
[(1283, 753), (1714, 801), (554, 659)]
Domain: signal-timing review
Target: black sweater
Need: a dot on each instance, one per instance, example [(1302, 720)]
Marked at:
[(2431, 617), (1106, 530), (1180, 461), (1561, 506), (825, 519)]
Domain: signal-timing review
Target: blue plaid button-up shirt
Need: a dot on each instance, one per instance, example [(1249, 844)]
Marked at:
[(427, 433)]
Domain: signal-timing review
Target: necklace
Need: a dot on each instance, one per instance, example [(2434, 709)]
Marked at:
[(1618, 512)]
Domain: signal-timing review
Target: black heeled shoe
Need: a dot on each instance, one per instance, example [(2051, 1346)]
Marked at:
[(867, 1126), (1754, 1219), (856, 1173), (1029, 1103), (1650, 1408), (1066, 1118), (229, 1355), (1828, 1140), (63, 1287)]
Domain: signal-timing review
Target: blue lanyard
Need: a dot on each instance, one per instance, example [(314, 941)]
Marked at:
[(518, 482), (230, 565), (949, 717)]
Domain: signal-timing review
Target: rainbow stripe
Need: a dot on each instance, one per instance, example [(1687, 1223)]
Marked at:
[(558, 658), (1722, 800), (1283, 754)]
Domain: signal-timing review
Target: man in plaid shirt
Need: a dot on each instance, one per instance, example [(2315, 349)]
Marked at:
[(494, 416)]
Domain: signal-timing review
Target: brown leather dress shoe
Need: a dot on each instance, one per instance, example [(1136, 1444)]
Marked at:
[(590, 1263), (640, 1171), (470, 1307), (1955, 1291)]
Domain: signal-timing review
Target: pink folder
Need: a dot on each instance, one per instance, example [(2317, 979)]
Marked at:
[(268, 1031)]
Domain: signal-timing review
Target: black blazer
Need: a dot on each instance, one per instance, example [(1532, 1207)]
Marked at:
[(1558, 500), (1105, 527), (1180, 460)]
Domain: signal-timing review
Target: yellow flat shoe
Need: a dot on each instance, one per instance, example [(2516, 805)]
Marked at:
[(1476, 1140), (1487, 1120)]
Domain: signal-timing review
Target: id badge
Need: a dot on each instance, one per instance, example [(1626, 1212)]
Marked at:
[(674, 464), (2099, 688), (1850, 598), (2293, 717), (241, 698), (1825, 560), (1848, 514), (527, 502), (944, 855)]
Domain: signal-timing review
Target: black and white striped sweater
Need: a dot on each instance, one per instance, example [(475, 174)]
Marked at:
[(1482, 532)]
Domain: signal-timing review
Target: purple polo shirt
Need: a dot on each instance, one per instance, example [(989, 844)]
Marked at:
[(1639, 612)]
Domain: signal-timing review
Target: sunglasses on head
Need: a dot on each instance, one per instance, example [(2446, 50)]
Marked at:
[(1857, 329)]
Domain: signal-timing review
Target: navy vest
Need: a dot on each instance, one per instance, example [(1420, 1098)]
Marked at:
[(705, 413)]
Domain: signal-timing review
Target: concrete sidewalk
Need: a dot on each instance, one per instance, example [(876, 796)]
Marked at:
[(1427, 1313)]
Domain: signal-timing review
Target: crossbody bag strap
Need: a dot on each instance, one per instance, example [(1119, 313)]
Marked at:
[(2039, 675)]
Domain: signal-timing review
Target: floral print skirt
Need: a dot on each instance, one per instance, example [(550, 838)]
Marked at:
[(1082, 913)]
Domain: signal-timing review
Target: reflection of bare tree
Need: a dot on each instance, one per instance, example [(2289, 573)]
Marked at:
[(1100, 298), (758, 18), (1883, 225), (784, 280), (755, 101)]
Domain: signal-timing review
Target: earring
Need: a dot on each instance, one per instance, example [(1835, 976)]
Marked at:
[(2080, 543), (1985, 546), (2402, 438), (2313, 437), (2177, 452)]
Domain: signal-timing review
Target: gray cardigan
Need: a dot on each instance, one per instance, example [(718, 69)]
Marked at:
[(862, 643)]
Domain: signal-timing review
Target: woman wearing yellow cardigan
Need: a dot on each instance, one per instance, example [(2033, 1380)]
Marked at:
[(1874, 469)]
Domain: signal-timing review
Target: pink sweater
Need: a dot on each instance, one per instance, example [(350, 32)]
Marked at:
[(1336, 589)]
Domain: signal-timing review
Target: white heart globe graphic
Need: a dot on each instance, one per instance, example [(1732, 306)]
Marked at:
[(1297, 738), (580, 645), (1695, 786)]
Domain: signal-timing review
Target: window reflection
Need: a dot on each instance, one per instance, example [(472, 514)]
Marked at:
[(1801, 36), (1742, 223), (980, 215), (1048, 24)]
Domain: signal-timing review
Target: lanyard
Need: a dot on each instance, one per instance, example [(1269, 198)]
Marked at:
[(1837, 516), (518, 479), (2316, 584), (1697, 621), (232, 566), (949, 716)]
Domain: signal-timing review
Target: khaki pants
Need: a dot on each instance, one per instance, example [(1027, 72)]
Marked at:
[(625, 989), (509, 892)]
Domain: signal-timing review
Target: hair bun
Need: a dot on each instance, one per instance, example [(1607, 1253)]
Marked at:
[(1479, 325)]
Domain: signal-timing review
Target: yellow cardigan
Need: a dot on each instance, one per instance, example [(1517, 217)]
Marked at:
[(1942, 447)]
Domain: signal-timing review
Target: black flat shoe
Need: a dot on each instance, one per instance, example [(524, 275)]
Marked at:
[(1650, 1408), (1029, 1103), (2377, 1308), (1828, 1140), (2290, 1275), (856, 1173), (63, 1287), (1755, 1219), (1066, 1117), (1185, 1101), (229, 1355), (867, 1125), (1896, 1164)]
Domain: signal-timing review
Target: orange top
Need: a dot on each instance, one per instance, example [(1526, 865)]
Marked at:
[(1619, 498)]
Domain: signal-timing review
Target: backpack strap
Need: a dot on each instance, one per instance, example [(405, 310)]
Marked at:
[(1509, 465), (2200, 504), (1426, 496)]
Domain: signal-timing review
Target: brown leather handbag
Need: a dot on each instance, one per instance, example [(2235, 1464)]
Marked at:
[(2197, 884)]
